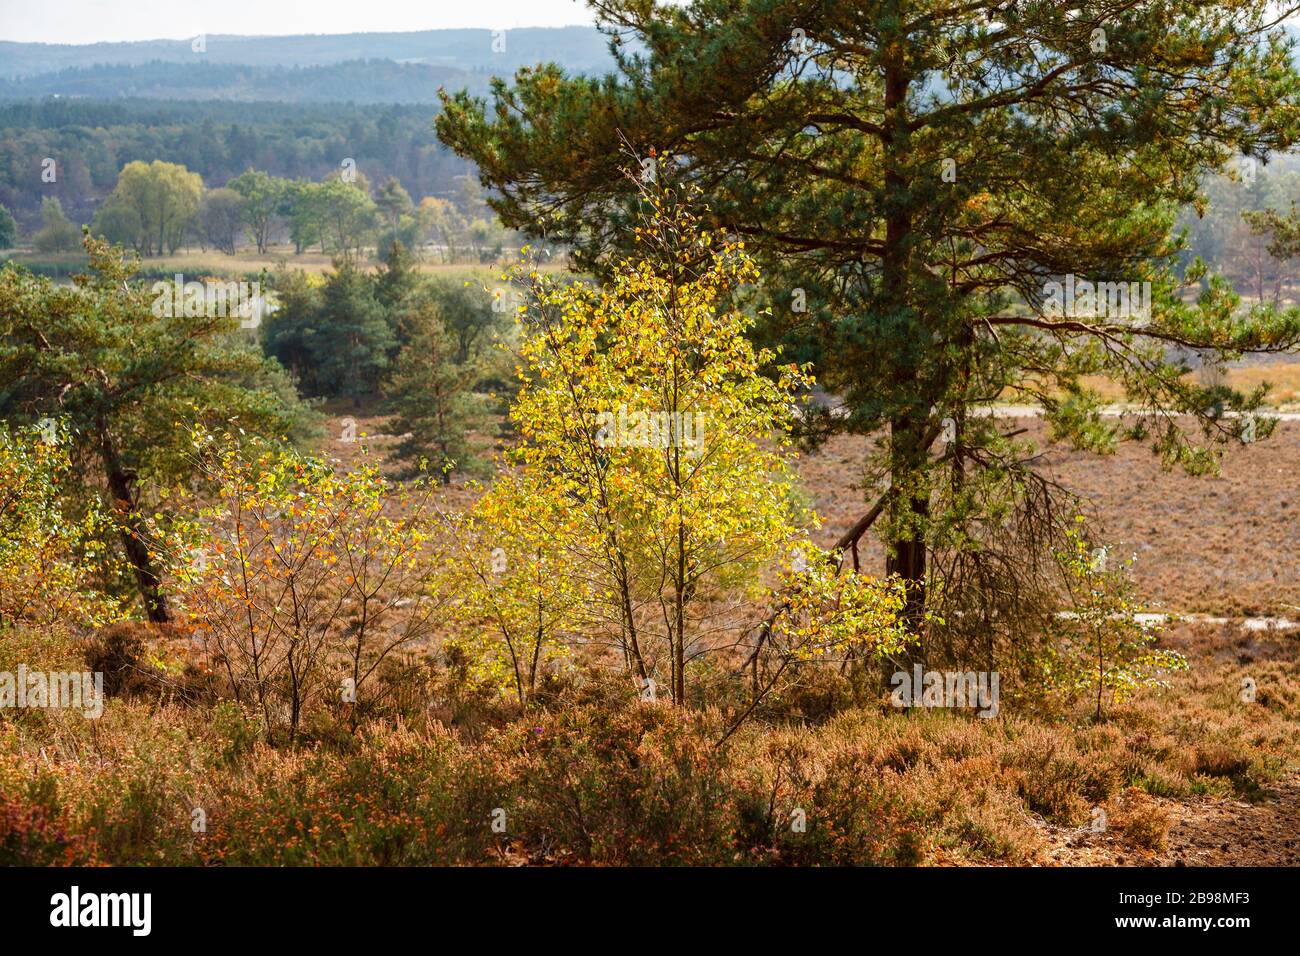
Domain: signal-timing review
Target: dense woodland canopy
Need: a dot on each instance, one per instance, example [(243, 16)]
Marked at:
[(90, 142)]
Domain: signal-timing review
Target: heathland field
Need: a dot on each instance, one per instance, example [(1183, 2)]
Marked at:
[(1190, 774), (745, 433)]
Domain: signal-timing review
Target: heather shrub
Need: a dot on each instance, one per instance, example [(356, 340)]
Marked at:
[(612, 779), (148, 661), (592, 774), (138, 800), (854, 815), (34, 834), (118, 652), (400, 797), (1055, 779), (1144, 822)]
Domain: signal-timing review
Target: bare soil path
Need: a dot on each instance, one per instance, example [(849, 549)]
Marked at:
[(1205, 831)]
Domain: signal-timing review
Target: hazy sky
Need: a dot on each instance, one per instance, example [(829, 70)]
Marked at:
[(91, 21)]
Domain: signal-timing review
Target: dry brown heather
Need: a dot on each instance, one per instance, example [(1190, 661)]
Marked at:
[(1227, 545), (1190, 774)]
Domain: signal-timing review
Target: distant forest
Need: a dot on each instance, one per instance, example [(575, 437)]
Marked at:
[(90, 141), (355, 81), (95, 108)]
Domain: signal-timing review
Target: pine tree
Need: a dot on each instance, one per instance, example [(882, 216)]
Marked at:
[(437, 410), (914, 177), (352, 341), (398, 277), (120, 376)]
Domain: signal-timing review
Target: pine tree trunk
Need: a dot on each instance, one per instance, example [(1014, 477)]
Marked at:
[(908, 559), (907, 556)]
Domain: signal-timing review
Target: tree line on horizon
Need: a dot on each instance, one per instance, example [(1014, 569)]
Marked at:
[(90, 141), (157, 208)]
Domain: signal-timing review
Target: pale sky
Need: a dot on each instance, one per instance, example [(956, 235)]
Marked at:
[(93, 21)]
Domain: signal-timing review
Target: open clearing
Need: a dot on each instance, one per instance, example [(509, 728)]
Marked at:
[(1226, 546)]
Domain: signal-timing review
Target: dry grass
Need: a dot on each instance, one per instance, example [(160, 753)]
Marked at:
[(1282, 379), (215, 262)]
